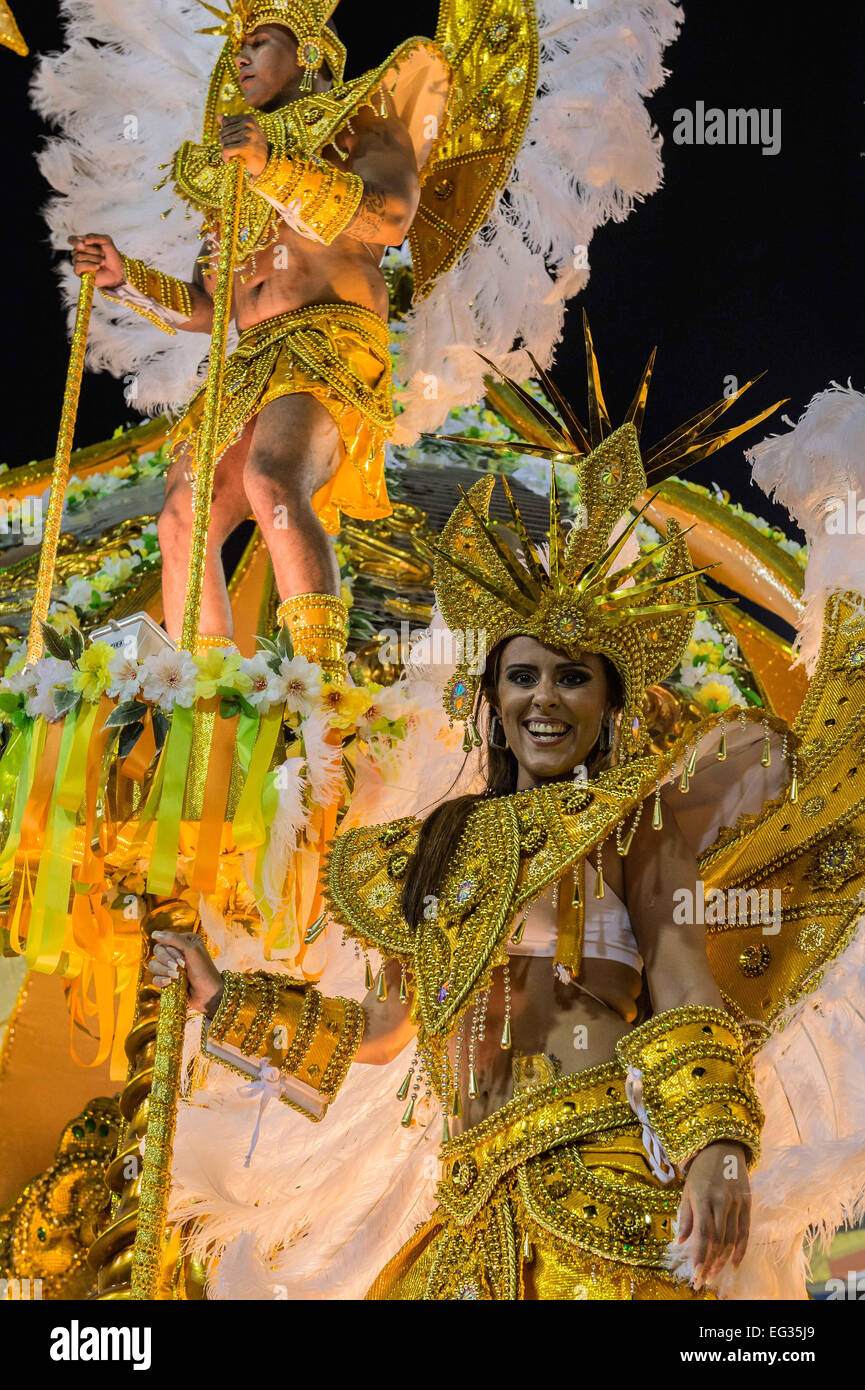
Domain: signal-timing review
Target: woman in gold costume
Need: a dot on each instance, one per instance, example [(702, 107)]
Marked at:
[(597, 1097)]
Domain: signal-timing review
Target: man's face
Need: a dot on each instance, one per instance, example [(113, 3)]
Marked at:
[(267, 67)]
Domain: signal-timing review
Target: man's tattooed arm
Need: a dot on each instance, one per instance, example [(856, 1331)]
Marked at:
[(383, 156)]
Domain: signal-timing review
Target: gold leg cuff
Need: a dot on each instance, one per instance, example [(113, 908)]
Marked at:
[(318, 627), (206, 640)]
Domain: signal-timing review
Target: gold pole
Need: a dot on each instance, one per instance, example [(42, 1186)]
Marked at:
[(159, 1140), (60, 470)]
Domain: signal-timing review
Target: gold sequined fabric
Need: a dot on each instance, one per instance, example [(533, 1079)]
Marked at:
[(337, 353), (550, 1197)]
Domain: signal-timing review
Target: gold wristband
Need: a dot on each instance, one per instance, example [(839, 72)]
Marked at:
[(697, 1085), (156, 286), (326, 197), (318, 627)]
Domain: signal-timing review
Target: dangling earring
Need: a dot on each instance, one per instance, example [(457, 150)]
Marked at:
[(494, 720)]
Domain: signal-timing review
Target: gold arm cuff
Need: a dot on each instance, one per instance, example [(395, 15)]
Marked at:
[(156, 286), (326, 198), (697, 1083), (290, 1025), (318, 627)]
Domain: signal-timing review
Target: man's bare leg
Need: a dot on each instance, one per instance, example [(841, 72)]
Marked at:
[(230, 506), (294, 452)]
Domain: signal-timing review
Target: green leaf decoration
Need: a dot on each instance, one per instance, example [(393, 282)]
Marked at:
[(129, 736), (55, 645), (127, 713)]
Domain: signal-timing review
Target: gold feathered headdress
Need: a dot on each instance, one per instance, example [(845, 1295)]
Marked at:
[(307, 20), (638, 616)]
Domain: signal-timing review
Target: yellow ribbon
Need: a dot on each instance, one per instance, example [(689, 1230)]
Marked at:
[(259, 798), (45, 938), (175, 758)]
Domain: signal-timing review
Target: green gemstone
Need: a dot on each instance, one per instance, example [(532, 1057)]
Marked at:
[(90, 1125), (77, 1132)]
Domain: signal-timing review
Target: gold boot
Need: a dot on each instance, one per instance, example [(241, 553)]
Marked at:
[(318, 627)]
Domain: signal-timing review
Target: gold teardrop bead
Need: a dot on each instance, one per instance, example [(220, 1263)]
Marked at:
[(381, 987), (600, 890), (403, 1086), (403, 992), (692, 761), (518, 934), (528, 1253), (721, 754), (446, 1134), (626, 843), (794, 788), (684, 784), (657, 816), (506, 1034), (456, 1105), (766, 759), (473, 1084), (409, 1111), (368, 979)]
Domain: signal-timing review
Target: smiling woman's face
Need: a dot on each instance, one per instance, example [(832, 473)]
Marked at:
[(552, 708)]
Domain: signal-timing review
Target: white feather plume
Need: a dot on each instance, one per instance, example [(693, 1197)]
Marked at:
[(814, 470)]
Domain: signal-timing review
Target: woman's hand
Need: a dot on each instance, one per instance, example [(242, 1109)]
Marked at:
[(97, 252), (242, 138), (175, 951), (716, 1209)]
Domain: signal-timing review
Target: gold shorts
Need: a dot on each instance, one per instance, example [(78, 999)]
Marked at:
[(551, 1197), (338, 353)]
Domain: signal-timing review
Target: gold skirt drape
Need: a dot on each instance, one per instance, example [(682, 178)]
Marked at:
[(551, 1197)]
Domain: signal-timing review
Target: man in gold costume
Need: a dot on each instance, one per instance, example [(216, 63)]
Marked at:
[(596, 1093), (331, 180)]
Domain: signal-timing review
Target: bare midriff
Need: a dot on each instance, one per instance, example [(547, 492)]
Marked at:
[(296, 271), (548, 1016)]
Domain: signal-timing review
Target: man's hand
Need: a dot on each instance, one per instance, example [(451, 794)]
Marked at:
[(176, 951), (716, 1209), (242, 138), (97, 252)]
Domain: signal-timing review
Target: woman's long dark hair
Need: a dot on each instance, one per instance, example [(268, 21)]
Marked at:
[(443, 827)]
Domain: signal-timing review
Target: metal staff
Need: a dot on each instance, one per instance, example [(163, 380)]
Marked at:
[(60, 470), (162, 1117)]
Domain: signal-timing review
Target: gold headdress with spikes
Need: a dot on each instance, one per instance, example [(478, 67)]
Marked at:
[(307, 20), (641, 619)]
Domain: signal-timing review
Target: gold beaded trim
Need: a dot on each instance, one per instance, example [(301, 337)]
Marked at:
[(205, 640)]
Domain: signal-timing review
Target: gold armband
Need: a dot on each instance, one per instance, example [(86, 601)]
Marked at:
[(688, 1077), (322, 198), (159, 288), (318, 627), (272, 1021)]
